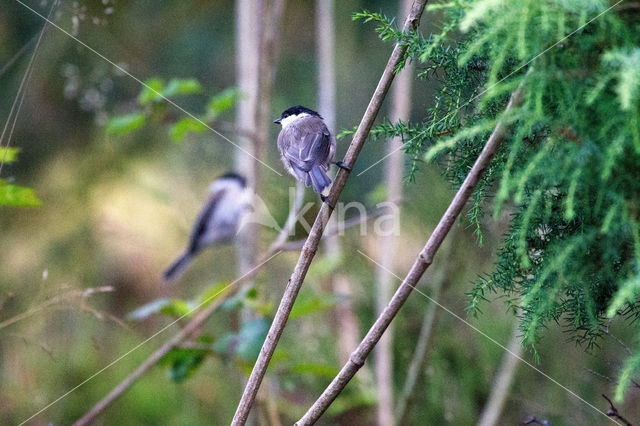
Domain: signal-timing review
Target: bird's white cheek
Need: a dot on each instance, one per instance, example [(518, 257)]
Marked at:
[(290, 119)]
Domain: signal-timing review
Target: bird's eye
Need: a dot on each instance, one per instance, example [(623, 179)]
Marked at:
[(285, 115)]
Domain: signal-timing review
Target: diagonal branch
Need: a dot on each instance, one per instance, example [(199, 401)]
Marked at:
[(614, 413), (191, 329), (195, 324), (420, 265), (311, 245)]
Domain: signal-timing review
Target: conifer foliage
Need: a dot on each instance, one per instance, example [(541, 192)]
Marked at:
[(570, 171)]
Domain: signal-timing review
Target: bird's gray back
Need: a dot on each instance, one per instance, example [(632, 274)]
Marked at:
[(308, 140)]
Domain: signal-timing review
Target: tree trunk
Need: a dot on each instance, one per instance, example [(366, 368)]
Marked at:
[(394, 171), (248, 24)]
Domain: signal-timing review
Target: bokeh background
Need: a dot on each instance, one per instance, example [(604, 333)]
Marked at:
[(117, 209)]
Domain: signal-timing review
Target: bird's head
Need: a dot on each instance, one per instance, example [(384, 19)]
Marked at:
[(228, 180), (292, 114)]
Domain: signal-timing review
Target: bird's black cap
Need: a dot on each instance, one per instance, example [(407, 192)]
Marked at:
[(295, 110), (235, 176)]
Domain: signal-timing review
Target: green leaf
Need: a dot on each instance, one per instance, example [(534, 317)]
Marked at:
[(152, 91), (222, 102), (178, 131), (148, 309), (315, 369), (346, 132), (124, 124), (212, 293), (306, 306), (179, 86), (17, 196), (178, 308), (8, 155), (183, 362), (251, 338)]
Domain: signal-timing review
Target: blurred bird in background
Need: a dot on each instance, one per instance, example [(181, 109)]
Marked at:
[(218, 222)]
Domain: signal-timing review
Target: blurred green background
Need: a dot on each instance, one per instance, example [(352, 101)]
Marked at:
[(117, 209)]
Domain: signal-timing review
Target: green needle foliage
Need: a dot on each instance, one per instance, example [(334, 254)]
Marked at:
[(569, 170)]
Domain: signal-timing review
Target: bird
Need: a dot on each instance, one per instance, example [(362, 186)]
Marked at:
[(218, 222), (307, 147)]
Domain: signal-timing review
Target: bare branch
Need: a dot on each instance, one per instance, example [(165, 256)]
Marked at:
[(64, 301), (311, 246), (614, 413), (420, 265), (191, 329)]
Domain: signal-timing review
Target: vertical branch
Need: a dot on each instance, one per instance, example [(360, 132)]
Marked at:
[(393, 173), (311, 244), (258, 30), (325, 48), (271, 13), (420, 265), (346, 322), (248, 25), (500, 391)]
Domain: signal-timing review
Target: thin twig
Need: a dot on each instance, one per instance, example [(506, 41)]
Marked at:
[(614, 413), (618, 340), (192, 328), (64, 300), (311, 245), (420, 265)]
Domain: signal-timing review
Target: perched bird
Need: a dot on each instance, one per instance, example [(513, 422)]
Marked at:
[(218, 222), (306, 146)]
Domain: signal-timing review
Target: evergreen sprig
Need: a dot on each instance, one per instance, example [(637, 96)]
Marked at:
[(569, 172)]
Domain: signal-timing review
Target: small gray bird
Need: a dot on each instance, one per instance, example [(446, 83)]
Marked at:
[(218, 222), (307, 147)]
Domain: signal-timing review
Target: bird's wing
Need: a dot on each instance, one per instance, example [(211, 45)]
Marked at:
[(315, 148), (203, 222), (306, 146)]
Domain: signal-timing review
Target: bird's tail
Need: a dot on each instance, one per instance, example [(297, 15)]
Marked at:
[(319, 179), (178, 267)]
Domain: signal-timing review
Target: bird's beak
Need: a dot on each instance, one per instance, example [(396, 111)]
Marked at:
[(277, 120)]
